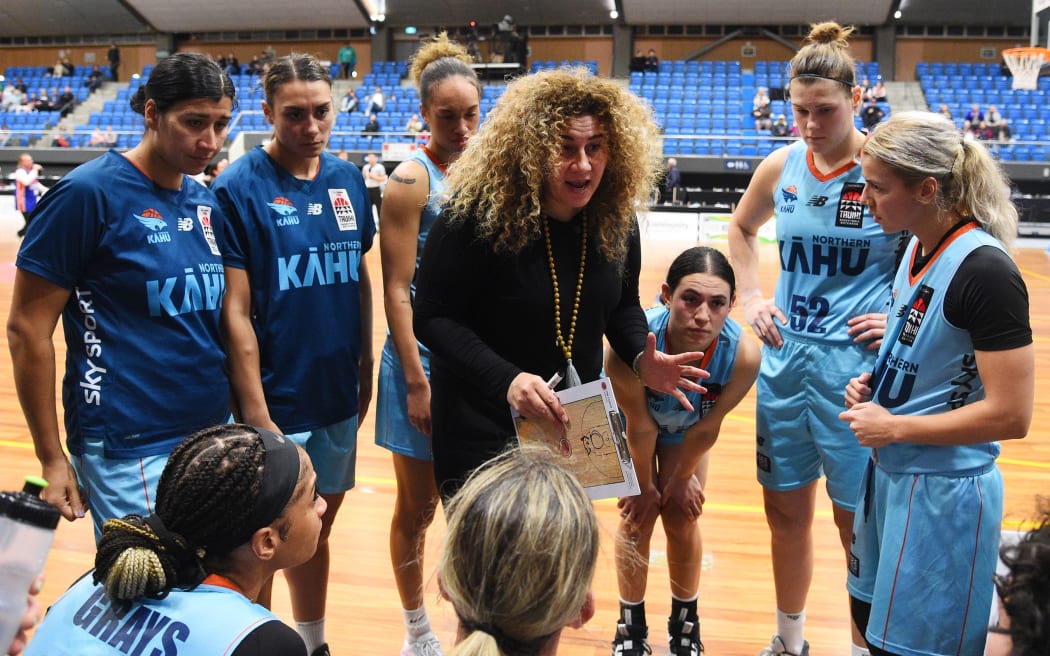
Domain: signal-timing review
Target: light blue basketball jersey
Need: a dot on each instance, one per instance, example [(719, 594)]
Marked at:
[(301, 242), (671, 418), (206, 620), (434, 200), (835, 261), (926, 365), (393, 429)]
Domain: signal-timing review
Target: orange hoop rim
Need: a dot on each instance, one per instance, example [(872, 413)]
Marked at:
[(1028, 50)]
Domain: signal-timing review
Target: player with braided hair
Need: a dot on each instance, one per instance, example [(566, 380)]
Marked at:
[(234, 505)]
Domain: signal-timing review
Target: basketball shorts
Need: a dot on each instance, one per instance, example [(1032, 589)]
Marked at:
[(333, 451), (925, 547), (799, 436), (393, 429), (117, 486)]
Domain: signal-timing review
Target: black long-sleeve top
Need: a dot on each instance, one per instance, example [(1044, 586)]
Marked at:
[(488, 317)]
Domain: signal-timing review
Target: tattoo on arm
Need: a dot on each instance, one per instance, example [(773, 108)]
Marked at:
[(397, 178)]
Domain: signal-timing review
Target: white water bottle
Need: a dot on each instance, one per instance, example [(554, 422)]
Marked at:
[(27, 527)]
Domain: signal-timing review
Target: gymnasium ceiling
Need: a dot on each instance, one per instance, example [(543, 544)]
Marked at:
[(104, 17)]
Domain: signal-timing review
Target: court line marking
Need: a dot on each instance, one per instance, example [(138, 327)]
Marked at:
[(1029, 272), (1016, 525)]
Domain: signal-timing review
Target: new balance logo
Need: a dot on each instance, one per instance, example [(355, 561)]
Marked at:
[(817, 201)]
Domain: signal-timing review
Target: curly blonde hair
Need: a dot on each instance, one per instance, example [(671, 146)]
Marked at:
[(499, 179)]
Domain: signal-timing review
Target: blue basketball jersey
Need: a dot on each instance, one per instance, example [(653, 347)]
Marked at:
[(835, 261), (926, 365), (206, 620), (301, 242), (144, 357), (671, 418)]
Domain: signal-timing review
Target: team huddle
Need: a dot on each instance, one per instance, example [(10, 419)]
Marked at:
[(219, 362)]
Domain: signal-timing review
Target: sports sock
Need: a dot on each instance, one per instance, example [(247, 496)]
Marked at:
[(416, 622), (857, 650), (312, 634), (632, 612), (683, 609), (790, 627)]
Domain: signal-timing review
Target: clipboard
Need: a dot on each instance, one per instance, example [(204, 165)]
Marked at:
[(594, 448)]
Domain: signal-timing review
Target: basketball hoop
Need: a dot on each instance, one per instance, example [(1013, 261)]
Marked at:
[(1025, 63)]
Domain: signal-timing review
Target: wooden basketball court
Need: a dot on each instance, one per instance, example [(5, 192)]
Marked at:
[(736, 589)]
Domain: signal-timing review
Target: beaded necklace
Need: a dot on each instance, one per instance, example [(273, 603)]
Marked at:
[(572, 379)]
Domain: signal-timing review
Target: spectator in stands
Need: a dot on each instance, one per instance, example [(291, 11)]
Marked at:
[(110, 137), (255, 66), (1005, 134), (878, 92), (994, 119), (98, 139), (28, 188), (945, 112), (376, 102), (61, 139), (66, 101), (652, 62), (348, 61), (872, 114), (780, 126), (414, 125), (761, 98), (5, 135), (21, 86), (372, 127), (42, 103), (762, 111), (865, 89), (638, 61), (374, 174), (972, 117), (672, 188), (94, 79), (12, 98), (58, 70), (233, 66), (349, 103), (113, 57), (984, 132)]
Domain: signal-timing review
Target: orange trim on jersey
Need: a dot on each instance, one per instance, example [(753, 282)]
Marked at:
[(708, 354), (138, 168), (829, 176), (441, 167), (145, 483), (912, 279), (220, 581)]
